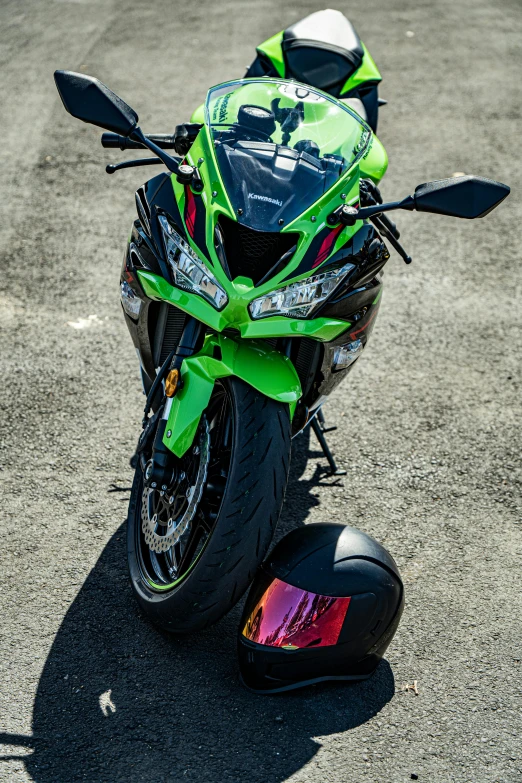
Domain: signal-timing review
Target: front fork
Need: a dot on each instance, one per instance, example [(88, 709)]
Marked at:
[(201, 360), (160, 469)]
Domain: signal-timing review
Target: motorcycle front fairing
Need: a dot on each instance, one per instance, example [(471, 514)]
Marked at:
[(277, 189)]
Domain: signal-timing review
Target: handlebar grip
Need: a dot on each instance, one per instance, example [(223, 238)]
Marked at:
[(114, 141), (163, 140)]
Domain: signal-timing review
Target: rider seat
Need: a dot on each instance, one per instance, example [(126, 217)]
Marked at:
[(322, 50)]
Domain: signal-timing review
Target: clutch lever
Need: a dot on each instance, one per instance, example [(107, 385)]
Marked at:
[(127, 164), (390, 232)]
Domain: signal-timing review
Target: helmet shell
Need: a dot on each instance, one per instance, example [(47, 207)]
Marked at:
[(306, 567)]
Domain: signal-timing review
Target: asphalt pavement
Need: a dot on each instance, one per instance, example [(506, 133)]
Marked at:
[(428, 423)]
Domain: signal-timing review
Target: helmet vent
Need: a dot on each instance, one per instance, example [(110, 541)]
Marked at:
[(252, 253)]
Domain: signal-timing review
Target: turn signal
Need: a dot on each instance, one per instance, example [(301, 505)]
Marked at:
[(172, 383)]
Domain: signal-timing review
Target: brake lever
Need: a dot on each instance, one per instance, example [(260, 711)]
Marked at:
[(127, 164), (394, 242)]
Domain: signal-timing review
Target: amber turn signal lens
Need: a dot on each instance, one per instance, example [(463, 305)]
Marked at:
[(172, 383)]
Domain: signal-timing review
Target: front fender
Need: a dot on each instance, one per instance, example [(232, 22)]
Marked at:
[(253, 361)]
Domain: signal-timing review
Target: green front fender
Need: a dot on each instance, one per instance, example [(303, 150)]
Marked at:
[(253, 361)]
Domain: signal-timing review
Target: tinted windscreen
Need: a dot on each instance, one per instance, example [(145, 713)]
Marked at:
[(279, 147), (270, 182)]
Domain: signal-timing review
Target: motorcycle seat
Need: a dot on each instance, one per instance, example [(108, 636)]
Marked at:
[(322, 50)]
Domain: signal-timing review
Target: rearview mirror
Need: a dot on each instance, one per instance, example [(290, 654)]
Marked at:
[(89, 100), (463, 197)]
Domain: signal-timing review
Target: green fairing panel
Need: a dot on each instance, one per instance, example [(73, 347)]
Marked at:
[(199, 115), (235, 314), (369, 160), (273, 49), (366, 72), (254, 362), (375, 162)]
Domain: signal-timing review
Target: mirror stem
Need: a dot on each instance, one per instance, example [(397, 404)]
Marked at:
[(348, 215), (138, 135), (367, 212)]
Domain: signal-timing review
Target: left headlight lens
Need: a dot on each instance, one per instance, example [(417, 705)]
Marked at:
[(299, 300), (190, 273)]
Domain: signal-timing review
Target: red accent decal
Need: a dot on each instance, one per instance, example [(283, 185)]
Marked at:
[(327, 245), (353, 335), (190, 211)]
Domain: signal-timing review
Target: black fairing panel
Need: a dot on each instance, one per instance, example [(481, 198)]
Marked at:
[(354, 302), (162, 201), (328, 379), (140, 255), (365, 250), (146, 251)]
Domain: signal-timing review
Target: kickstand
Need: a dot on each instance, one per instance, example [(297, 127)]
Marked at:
[(320, 419), (319, 434)]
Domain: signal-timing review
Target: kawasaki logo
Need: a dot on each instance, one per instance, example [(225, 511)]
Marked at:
[(265, 198)]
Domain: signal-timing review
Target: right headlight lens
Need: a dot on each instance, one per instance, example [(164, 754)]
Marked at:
[(299, 300), (190, 272)]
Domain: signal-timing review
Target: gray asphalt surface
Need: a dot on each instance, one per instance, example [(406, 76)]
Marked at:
[(428, 424)]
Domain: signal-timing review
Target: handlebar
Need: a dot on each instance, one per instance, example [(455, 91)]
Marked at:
[(114, 141)]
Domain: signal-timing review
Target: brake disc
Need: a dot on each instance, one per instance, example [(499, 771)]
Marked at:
[(179, 526)]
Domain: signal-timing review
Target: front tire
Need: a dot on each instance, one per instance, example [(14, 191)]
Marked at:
[(238, 532)]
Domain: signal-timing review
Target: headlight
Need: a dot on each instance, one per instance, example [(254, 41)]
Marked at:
[(299, 300), (190, 273)]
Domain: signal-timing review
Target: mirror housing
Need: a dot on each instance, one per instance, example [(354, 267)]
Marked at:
[(87, 99), (463, 197)]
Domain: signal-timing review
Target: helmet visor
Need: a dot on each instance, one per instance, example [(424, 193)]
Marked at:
[(280, 615)]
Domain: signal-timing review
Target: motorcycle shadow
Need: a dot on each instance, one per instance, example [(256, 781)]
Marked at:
[(120, 701)]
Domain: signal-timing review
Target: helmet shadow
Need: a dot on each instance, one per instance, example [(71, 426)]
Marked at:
[(120, 701)]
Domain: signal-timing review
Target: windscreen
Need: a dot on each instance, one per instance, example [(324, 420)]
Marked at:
[(280, 146)]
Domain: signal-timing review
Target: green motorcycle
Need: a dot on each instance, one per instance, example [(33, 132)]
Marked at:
[(250, 286)]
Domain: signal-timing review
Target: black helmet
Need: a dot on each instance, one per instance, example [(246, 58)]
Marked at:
[(324, 606)]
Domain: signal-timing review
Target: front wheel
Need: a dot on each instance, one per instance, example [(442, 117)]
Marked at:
[(193, 548)]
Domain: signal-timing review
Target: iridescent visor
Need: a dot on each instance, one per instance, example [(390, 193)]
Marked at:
[(286, 616)]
